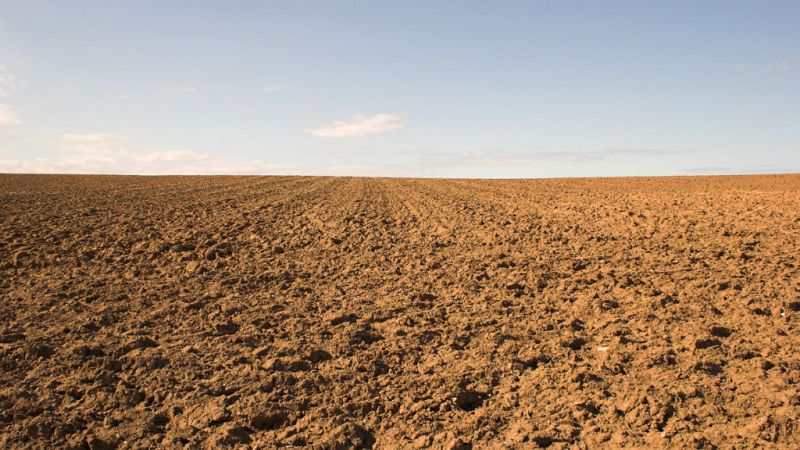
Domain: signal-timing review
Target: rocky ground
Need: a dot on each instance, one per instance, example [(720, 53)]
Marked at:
[(275, 312)]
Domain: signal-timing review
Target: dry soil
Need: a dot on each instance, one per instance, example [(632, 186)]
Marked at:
[(140, 312)]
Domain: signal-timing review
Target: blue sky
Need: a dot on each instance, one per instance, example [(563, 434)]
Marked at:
[(400, 88)]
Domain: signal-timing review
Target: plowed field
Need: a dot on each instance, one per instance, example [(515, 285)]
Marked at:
[(138, 312)]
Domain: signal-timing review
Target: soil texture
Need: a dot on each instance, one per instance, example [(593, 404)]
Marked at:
[(337, 313)]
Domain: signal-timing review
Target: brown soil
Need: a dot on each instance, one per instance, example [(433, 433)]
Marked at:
[(269, 312)]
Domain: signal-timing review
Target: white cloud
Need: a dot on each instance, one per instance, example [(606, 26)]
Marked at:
[(7, 117), (180, 90), (358, 126), (114, 154), (784, 65), (91, 138), (275, 88), (746, 169)]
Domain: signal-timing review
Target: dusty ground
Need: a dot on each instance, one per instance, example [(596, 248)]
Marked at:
[(341, 312)]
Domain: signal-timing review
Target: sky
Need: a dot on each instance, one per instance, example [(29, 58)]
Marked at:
[(486, 89)]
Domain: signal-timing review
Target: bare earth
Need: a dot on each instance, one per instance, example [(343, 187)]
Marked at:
[(138, 312)]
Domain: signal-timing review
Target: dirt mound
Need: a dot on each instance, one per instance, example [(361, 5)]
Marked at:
[(344, 313)]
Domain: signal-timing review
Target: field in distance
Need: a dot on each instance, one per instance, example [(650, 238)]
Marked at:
[(270, 312)]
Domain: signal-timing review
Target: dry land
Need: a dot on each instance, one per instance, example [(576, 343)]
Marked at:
[(138, 312)]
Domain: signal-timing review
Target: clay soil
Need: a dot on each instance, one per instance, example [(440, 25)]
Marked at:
[(275, 312)]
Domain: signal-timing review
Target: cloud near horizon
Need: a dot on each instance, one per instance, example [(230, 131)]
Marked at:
[(358, 126), (274, 88), (508, 158), (180, 90), (7, 81), (97, 153)]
